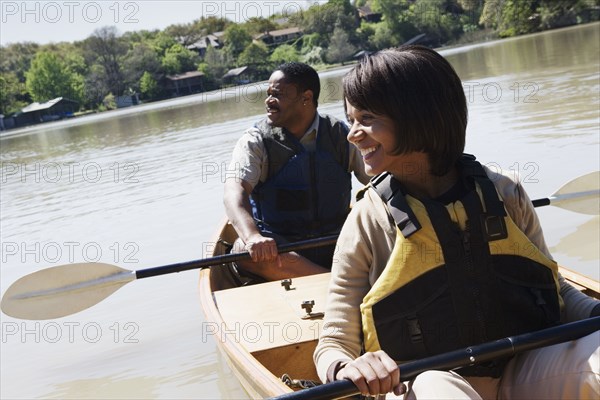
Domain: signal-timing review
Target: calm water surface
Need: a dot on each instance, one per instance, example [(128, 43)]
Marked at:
[(142, 187)]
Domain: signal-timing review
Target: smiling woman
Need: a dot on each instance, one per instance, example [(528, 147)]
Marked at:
[(440, 252)]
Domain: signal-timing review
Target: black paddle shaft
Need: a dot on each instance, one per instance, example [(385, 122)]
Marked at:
[(227, 258), (463, 357)]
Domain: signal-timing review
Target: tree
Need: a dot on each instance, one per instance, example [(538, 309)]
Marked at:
[(216, 64), (16, 58), (256, 25), (212, 24), (49, 78), (253, 54), (178, 59), (436, 19), (285, 53), (237, 39), (106, 49), (148, 86), (140, 59), (510, 17), (340, 48), (13, 94)]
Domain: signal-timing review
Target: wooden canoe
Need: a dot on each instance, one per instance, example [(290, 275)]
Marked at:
[(261, 331)]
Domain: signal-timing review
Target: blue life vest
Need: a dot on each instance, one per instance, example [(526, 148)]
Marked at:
[(306, 193)]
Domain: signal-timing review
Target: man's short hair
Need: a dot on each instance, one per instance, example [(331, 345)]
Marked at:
[(304, 76)]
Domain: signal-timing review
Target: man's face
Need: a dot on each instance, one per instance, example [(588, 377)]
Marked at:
[(284, 101)]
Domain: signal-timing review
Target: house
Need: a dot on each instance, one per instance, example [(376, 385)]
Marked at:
[(127, 100), (205, 42), (238, 76), (186, 83), (280, 36), (365, 13), (50, 110)]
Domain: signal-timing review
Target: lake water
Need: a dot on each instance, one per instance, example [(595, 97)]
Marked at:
[(142, 187)]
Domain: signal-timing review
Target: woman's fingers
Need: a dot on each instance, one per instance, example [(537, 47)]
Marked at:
[(373, 373)]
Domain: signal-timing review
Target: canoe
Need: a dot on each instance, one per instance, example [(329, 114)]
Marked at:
[(263, 330)]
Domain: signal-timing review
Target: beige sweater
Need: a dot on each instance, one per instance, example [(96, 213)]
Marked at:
[(364, 246)]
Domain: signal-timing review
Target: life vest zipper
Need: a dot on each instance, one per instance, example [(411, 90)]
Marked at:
[(470, 273)]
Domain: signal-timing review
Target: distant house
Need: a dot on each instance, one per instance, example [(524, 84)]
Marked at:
[(281, 36), (186, 83), (50, 110), (205, 42), (365, 13), (238, 76), (127, 100)]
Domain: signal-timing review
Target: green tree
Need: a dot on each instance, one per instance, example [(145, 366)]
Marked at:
[(148, 86), (162, 42), (322, 19), (16, 58), (257, 25), (216, 64), (398, 17), (237, 39), (314, 56), (253, 54), (178, 59), (106, 49), (212, 24), (340, 49), (13, 94), (49, 78), (285, 53), (140, 59), (510, 17), (434, 18)]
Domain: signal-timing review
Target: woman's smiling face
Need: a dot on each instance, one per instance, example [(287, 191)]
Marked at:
[(374, 136)]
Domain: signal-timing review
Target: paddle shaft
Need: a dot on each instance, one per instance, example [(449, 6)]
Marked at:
[(459, 358), (228, 258)]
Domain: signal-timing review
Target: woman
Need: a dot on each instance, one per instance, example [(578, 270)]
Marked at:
[(440, 253)]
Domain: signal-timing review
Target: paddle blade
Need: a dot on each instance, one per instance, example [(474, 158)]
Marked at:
[(60, 291), (580, 195)]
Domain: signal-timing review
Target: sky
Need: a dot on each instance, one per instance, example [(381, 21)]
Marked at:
[(58, 21)]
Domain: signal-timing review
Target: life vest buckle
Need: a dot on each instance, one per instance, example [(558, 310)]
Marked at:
[(493, 227)]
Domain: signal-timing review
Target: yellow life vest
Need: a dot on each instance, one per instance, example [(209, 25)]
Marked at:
[(459, 274)]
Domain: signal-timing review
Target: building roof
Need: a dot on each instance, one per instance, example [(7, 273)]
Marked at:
[(44, 106), (366, 11), (280, 32), (185, 75), (204, 42), (235, 72)]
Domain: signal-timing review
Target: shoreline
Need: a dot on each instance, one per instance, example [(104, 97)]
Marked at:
[(225, 93)]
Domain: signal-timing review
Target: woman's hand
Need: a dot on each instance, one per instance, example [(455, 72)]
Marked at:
[(373, 373)]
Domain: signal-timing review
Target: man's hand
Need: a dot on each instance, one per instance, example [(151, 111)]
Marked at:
[(261, 248)]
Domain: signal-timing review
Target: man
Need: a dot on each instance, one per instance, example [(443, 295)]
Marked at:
[(293, 178)]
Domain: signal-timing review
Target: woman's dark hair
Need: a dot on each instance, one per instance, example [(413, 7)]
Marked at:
[(421, 92), (303, 76)]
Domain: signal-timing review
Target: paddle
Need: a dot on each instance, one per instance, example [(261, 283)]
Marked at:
[(66, 289), (459, 358), (579, 195), (63, 290)]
